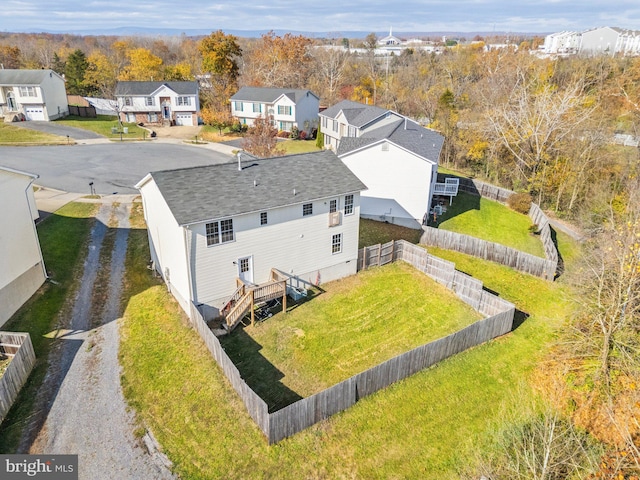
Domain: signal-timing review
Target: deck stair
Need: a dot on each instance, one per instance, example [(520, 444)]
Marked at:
[(246, 297)]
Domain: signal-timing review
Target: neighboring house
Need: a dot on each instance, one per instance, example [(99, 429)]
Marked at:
[(211, 226), (352, 119), (288, 107), (22, 269), (398, 162), (610, 41), (32, 95), (158, 103), (595, 41)]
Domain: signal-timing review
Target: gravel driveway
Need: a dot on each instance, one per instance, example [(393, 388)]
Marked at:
[(87, 413)]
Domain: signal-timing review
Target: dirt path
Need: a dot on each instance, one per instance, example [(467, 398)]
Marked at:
[(88, 414)]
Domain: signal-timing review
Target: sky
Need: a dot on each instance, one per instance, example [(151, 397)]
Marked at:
[(541, 16)]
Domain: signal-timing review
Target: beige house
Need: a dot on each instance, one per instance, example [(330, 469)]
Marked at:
[(22, 269)]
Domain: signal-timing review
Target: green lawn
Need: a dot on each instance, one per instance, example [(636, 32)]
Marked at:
[(491, 221), (373, 232), (357, 323), (298, 146), (61, 238), (12, 135), (432, 425), (103, 125)]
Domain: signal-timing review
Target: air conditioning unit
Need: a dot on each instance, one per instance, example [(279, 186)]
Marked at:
[(334, 219)]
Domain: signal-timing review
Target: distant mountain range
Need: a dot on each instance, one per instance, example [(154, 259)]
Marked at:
[(194, 32)]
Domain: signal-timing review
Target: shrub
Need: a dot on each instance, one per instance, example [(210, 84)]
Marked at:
[(283, 134), (533, 228), (295, 133), (303, 135), (520, 202)]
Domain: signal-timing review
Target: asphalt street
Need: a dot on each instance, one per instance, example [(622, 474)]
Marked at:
[(113, 167)]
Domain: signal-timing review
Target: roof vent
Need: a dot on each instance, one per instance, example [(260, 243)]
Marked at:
[(294, 192), (255, 182), (239, 159)]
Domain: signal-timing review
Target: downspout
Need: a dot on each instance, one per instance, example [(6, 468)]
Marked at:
[(33, 225), (187, 251)]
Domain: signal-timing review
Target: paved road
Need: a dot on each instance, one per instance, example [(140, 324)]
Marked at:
[(113, 167), (57, 129)]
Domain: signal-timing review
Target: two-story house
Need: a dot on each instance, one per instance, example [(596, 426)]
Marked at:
[(212, 226), (352, 119), (158, 103), (22, 269), (394, 156), (288, 108), (32, 95)]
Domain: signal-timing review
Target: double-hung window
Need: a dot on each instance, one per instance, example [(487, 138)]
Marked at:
[(149, 101), (28, 91), (237, 106), (307, 209), (336, 243), (219, 232), (128, 101), (333, 206), (348, 204), (263, 218), (185, 100), (257, 107), (284, 109)]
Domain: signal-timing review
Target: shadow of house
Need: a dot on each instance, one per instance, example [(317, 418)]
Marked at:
[(258, 372)]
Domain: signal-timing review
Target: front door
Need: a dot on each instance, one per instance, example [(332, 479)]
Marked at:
[(245, 269)]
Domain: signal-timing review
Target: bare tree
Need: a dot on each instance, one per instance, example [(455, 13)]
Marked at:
[(261, 139)]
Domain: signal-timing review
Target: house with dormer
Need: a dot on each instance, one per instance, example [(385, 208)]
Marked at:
[(393, 155), (214, 227), (32, 95), (158, 103), (286, 107)]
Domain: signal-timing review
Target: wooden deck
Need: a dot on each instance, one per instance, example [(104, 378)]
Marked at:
[(246, 297)]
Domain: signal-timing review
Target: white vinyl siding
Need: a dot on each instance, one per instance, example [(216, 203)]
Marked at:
[(289, 242)]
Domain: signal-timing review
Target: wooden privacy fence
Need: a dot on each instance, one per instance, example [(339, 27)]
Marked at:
[(308, 411), (18, 347), (82, 111), (541, 267)]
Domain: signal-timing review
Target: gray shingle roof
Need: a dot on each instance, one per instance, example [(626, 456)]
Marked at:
[(147, 88), (23, 77), (269, 95), (200, 194), (357, 114), (407, 134)]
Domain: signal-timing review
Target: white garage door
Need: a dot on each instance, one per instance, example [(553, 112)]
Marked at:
[(34, 113), (184, 119)]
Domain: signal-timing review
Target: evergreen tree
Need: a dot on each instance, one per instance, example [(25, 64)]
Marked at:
[(74, 72)]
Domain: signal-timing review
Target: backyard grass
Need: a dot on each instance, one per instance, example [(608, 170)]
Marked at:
[(433, 425), (61, 238), (11, 135), (491, 221), (103, 125), (373, 232), (355, 324)]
